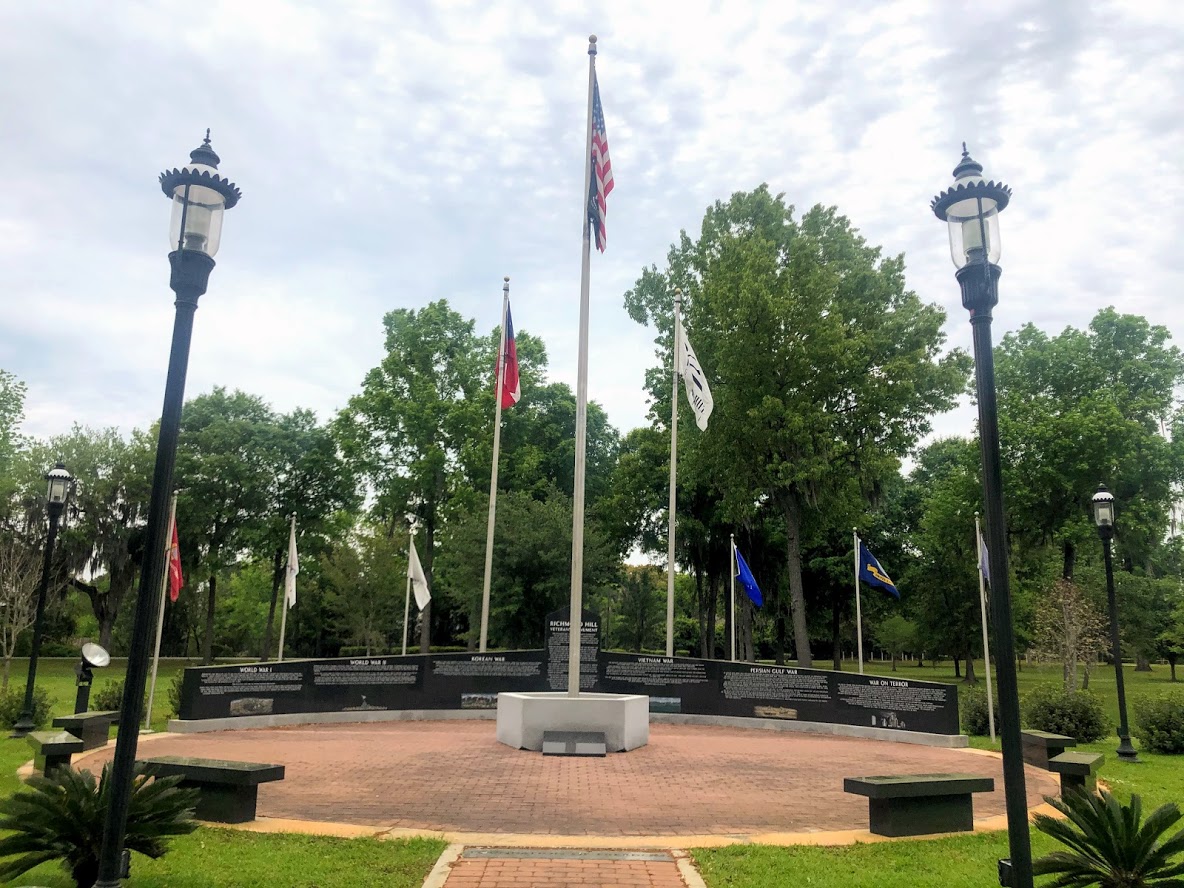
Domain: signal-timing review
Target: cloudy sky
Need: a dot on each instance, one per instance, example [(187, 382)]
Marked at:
[(393, 152)]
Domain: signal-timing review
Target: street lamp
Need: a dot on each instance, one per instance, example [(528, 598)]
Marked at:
[(1103, 503), (200, 195), (59, 488), (971, 209)]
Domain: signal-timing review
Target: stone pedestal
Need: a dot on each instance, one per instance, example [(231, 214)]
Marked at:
[(624, 719)]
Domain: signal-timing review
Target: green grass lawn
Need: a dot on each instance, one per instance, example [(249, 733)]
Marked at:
[(960, 862)]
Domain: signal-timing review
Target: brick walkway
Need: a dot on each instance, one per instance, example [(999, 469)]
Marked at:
[(545, 872), (454, 777)]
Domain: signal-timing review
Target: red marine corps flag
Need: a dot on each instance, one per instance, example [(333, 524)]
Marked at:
[(511, 386), (176, 578)]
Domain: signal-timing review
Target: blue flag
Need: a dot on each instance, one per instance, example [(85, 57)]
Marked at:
[(747, 581), (871, 572)]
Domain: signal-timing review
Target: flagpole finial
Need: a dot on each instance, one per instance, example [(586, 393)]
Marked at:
[(592, 44)]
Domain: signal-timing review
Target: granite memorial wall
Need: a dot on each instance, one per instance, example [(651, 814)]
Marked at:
[(472, 681)]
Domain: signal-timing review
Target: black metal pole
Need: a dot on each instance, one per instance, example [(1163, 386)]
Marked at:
[(25, 722), (1126, 751), (190, 274), (979, 294)]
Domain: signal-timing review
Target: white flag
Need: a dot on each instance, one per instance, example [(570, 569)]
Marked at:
[(419, 582), (293, 567), (698, 394)]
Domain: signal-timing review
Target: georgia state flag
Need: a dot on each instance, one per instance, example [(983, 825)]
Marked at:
[(511, 386)]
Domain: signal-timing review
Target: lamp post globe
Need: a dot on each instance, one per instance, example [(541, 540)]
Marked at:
[(200, 195), (58, 483), (1103, 509), (971, 208)]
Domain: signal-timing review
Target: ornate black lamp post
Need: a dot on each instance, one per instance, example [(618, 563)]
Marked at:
[(971, 208), (59, 488), (199, 194), (1103, 503)]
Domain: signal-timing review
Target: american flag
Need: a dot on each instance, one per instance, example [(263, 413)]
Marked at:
[(602, 170)]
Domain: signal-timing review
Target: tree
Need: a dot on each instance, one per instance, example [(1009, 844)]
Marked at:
[(944, 574), (825, 368), (532, 557), (897, 635), (103, 530), (365, 577), (1089, 406), (309, 480), (20, 580), (226, 463), (405, 432), (643, 605), (1070, 628), (12, 412)]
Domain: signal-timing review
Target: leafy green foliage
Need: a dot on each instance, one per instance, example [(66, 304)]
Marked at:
[(1110, 844), (973, 703), (1077, 714), (12, 701), (173, 694), (832, 371), (107, 697), (897, 634), (61, 817), (1159, 723)]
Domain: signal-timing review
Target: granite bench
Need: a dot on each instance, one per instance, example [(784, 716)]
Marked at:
[(1040, 746), (919, 804), (228, 791), (92, 728), (1078, 770), (53, 749)]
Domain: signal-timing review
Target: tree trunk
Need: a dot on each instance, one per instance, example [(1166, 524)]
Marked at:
[(712, 605), (957, 667), (836, 641), (779, 638), (207, 645), (277, 575), (1069, 559), (971, 678), (744, 636), (106, 628), (701, 607), (894, 661), (1171, 664), (1142, 664), (797, 595), (8, 667)]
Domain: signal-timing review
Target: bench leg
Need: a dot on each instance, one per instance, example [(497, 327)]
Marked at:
[(921, 815), (224, 804), (1074, 783), (47, 763)]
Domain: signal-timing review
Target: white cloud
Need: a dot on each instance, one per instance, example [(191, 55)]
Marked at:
[(392, 154)]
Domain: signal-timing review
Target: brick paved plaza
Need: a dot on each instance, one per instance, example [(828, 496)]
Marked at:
[(454, 777)]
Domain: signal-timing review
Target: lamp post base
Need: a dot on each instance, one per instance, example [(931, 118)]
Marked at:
[(23, 727), (1127, 752)]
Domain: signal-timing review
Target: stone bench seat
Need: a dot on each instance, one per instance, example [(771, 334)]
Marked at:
[(919, 804), (1040, 746), (92, 728), (228, 791), (53, 749), (1078, 770)]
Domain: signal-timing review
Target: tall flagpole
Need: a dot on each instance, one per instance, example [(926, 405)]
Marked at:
[(982, 600), (164, 584), (673, 478), (577, 526), (858, 607), (407, 597), (284, 612), (497, 443), (732, 562)]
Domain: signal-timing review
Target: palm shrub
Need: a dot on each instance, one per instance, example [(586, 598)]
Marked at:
[(1111, 846), (60, 817)]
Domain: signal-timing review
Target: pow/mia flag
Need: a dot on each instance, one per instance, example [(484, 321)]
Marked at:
[(698, 393)]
